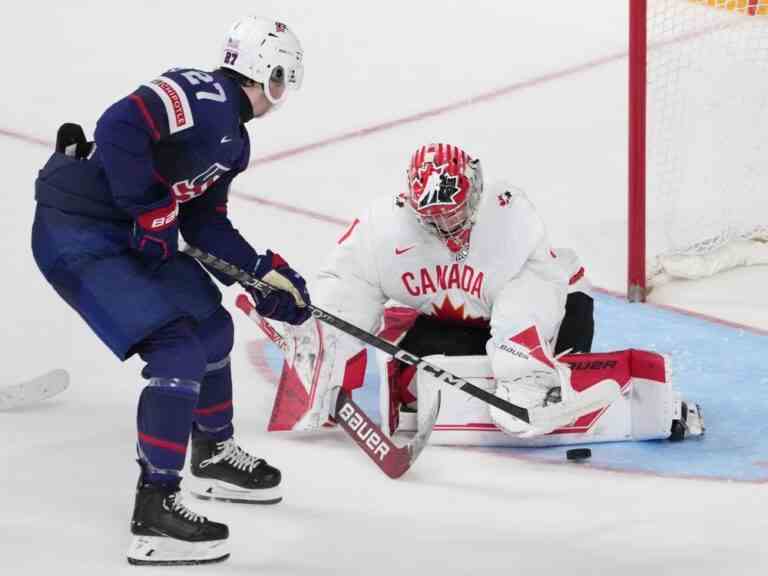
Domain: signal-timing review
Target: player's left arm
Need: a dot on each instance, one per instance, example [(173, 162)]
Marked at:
[(204, 223)]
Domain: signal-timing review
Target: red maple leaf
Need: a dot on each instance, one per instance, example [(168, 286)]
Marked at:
[(455, 315)]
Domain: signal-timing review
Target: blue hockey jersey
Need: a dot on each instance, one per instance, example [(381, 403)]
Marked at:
[(179, 136)]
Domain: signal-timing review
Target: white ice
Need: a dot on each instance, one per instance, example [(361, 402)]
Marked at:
[(66, 467)]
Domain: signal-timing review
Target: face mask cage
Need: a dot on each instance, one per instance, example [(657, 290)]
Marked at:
[(451, 225), (446, 224)]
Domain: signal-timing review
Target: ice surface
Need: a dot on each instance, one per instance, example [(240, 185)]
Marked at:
[(66, 466)]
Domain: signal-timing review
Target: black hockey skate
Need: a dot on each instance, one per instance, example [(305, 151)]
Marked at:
[(224, 471), (690, 424), (165, 532)]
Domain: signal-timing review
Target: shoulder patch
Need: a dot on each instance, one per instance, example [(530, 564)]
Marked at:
[(174, 99), (505, 198)]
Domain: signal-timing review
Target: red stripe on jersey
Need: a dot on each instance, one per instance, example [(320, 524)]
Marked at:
[(147, 116), (159, 176), (348, 232), (576, 277)]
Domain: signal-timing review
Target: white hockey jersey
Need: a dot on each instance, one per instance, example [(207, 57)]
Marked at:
[(511, 276)]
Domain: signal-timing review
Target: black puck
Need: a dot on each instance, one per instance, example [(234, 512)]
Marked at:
[(577, 454)]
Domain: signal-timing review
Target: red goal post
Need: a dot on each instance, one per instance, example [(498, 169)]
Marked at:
[(698, 119)]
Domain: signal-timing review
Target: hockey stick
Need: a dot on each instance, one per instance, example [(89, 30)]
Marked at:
[(444, 376), (393, 460), (33, 391)]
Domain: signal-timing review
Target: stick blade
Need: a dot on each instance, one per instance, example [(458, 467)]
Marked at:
[(390, 458), (425, 427), (35, 390)]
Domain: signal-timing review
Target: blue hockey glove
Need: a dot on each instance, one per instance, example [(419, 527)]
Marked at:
[(290, 299), (155, 234)]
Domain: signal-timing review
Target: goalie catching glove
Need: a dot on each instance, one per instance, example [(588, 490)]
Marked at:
[(289, 301), (529, 375)]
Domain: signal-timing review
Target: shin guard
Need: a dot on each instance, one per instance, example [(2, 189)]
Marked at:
[(164, 422), (213, 415)]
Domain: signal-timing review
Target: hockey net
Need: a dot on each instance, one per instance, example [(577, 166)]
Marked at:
[(706, 136)]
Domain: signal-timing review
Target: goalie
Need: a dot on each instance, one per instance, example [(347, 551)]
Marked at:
[(468, 274)]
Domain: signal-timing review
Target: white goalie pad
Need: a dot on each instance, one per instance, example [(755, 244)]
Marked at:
[(644, 410), (318, 362)]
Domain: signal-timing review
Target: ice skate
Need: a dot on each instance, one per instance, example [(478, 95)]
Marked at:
[(690, 424), (224, 471), (165, 532)]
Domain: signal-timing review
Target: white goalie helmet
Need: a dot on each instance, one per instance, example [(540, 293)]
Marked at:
[(264, 50)]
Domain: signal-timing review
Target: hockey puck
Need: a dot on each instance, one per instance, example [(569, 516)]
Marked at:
[(578, 454)]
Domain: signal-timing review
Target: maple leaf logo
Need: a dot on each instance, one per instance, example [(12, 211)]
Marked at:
[(455, 315)]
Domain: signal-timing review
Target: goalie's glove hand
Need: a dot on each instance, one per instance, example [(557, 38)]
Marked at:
[(289, 301), (155, 234)]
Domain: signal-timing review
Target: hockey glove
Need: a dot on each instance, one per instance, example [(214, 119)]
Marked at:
[(289, 301), (155, 234)]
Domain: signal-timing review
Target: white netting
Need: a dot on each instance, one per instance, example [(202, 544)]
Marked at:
[(707, 126)]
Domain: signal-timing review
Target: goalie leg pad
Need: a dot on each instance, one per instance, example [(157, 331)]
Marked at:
[(645, 409), (318, 361)]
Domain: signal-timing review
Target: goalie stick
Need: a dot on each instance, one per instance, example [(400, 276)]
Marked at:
[(34, 390), (444, 376), (393, 460)]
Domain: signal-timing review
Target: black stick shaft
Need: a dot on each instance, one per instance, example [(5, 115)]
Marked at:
[(444, 376)]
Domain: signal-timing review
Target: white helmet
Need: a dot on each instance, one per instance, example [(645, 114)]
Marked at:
[(264, 50)]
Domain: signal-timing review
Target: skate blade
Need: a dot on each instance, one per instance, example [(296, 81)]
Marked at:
[(225, 492), (162, 551)]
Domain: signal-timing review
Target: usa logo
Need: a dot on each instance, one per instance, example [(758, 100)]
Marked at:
[(186, 190)]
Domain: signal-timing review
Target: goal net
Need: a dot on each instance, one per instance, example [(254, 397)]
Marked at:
[(706, 136)]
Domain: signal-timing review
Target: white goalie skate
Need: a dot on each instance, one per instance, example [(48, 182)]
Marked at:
[(690, 423)]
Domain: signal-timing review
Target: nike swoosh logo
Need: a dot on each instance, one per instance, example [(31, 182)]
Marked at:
[(399, 251), (226, 139)]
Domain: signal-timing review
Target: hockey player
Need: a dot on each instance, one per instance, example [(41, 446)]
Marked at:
[(105, 236), (478, 277)]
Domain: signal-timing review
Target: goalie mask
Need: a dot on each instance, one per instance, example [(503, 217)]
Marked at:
[(444, 189), (266, 52)]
